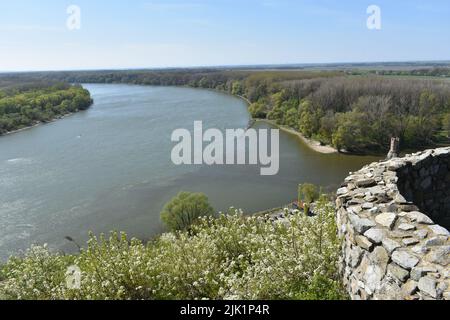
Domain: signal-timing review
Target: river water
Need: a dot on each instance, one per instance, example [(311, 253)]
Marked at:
[(109, 168)]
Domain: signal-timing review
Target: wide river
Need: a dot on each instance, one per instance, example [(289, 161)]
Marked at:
[(109, 168)]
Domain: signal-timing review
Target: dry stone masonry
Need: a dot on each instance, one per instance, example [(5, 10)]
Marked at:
[(393, 216)]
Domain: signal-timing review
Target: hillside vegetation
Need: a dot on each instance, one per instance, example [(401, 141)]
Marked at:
[(227, 257), (24, 103)]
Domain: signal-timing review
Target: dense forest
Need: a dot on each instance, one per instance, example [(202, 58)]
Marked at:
[(424, 72), (356, 113), (26, 102)]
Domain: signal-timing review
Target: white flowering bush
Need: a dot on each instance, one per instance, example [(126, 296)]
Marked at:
[(229, 257)]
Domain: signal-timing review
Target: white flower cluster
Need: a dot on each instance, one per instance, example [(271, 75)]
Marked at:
[(229, 257)]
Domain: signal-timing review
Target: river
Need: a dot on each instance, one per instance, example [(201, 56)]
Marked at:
[(109, 168)]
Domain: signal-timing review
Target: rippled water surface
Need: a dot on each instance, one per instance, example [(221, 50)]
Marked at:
[(109, 168)]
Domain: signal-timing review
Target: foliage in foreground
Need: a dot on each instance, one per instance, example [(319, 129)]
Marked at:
[(230, 257)]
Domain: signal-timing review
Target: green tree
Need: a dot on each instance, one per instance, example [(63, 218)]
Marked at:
[(184, 209), (308, 193), (309, 120), (257, 110), (291, 118), (446, 124), (237, 88)]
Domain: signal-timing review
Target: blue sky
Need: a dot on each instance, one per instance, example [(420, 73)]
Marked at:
[(172, 33)]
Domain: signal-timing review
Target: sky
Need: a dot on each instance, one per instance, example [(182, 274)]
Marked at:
[(119, 34)]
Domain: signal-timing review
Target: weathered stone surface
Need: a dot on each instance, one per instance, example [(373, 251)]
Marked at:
[(390, 245), (355, 256), (406, 227), (367, 206), (410, 241), (419, 272), (419, 217), (409, 288), (342, 191), (363, 242), (375, 235), (398, 272), (399, 234), (361, 225), (380, 257), (428, 286), (441, 288), (386, 219), (420, 250), (440, 255), (441, 231), (365, 183), (376, 269), (436, 241), (421, 234), (404, 259), (374, 210)]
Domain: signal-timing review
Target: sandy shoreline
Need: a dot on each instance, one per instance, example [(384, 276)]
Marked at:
[(312, 144)]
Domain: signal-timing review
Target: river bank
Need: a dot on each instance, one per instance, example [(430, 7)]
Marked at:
[(40, 123), (312, 144)]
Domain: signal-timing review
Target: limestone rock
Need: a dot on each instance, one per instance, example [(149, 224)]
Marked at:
[(419, 272), (390, 245), (386, 219), (421, 234), (355, 257), (375, 235), (404, 259), (419, 217), (435, 241), (366, 183), (440, 255), (428, 286), (441, 231), (406, 227), (409, 288), (361, 225), (398, 272), (367, 205), (410, 241), (363, 242), (376, 269), (421, 250)]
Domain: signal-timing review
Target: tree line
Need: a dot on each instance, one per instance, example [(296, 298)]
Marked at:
[(356, 113), (28, 102)]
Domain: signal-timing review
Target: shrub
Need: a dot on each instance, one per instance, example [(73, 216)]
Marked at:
[(185, 209)]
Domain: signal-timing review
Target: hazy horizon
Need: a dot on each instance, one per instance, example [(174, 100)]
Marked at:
[(291, 66)]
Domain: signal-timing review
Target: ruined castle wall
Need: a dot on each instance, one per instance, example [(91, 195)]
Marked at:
[(392, 217)]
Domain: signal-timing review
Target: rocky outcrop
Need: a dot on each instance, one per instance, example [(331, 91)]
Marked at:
[(393, 216)]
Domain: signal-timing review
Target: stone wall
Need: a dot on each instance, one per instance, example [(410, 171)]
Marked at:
[(389, 215)]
